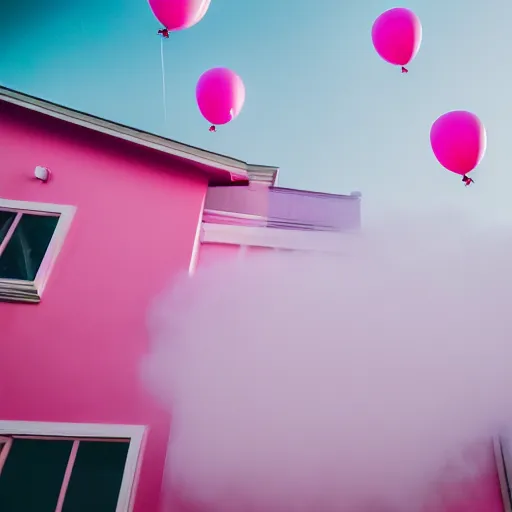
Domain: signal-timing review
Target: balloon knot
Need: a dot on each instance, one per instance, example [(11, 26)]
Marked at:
[(405, 70), (467, 180), (212, 128), (164, 33)]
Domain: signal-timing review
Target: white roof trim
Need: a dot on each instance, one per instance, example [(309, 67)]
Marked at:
[(233, 218), (263, 174), (233, 166), (317, 241)]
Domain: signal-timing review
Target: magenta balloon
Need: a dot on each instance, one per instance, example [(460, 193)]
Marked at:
[(220, 95), (458, 140), (179, 14), (396, 35)]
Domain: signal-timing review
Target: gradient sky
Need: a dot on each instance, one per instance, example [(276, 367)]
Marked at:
[(320, 103)]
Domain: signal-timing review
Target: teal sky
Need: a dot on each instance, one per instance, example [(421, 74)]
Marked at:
[(320, 103)]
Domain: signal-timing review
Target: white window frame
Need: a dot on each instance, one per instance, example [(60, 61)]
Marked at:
[(135, 434), (13, 290)]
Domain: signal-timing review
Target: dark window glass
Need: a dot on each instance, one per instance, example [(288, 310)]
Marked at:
[(32, 476), (25, 251), (6, 219), (96, 478)]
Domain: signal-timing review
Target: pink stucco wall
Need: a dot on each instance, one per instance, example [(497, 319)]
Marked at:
[(481, 493), (75, 356)]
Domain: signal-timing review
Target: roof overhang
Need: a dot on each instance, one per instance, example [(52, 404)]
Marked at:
[(220, 169)]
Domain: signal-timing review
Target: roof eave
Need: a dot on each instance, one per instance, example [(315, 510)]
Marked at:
[(215, 165)]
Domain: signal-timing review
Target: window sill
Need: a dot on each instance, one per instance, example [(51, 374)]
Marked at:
[(19, 291)]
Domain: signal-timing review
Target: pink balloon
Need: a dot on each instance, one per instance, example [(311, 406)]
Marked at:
[(458, 140), (396, 35), (220, 95), (179, 14)]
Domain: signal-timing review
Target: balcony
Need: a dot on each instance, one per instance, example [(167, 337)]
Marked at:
[(283, 208)]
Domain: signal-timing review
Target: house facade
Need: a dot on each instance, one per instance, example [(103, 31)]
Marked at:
[(113, 215)]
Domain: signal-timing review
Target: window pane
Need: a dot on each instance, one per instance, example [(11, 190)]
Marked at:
[(25, 251), (6, 219), (96, 478), (32, 475)]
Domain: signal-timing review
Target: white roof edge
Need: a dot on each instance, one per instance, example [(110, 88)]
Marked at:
[(263, 174), (258, 236), (233, 166)]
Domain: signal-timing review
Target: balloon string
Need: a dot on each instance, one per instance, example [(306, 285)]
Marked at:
[(163, 78)]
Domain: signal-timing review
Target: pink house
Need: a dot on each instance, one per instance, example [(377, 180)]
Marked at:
[(81, 256)]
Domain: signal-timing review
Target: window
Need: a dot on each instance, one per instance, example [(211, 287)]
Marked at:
[(31, 235), (67, 467)]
